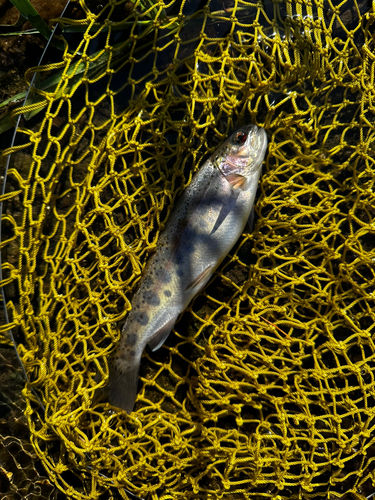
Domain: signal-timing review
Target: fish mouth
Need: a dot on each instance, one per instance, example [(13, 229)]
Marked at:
[(263, 139), (259, 154), (261, 134), (247, 157)]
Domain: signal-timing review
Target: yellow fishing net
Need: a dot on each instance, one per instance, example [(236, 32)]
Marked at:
[(266, 387)]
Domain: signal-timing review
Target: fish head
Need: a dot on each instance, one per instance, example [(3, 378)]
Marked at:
[(243, 152)]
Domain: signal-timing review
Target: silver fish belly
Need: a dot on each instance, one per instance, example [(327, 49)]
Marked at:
[(207, 221)]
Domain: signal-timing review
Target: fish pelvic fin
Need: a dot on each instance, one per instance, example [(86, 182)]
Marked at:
[(123, 384), (200, 279), (159, 337)]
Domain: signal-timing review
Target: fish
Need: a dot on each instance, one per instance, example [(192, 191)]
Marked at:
[(206, 222)]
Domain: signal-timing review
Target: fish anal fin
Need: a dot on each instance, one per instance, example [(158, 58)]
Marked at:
[(200, 278), (236, 180), (159, 337)]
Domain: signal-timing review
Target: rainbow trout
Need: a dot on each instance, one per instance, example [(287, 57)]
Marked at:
[(207, 221)]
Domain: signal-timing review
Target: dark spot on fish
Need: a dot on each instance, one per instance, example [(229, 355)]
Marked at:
[(167, 293), (131, 338), (132, 353), (141, 318), (166, 277), (180, 273), (151, 298), (163, 276), (148, 283)]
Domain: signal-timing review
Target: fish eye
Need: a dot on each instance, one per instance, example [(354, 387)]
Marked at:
[(239, 138)]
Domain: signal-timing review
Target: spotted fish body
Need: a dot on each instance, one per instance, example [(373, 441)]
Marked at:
[(207, 221)]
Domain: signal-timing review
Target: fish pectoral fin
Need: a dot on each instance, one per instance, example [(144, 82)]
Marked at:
[(236, 180), (159, 337), (250, 220)]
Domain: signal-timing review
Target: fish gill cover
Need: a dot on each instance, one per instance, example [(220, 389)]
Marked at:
[(266, 387)]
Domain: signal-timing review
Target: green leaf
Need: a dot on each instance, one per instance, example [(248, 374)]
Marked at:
[(31, 31), (28, 11), (14, 98), (75, 73)]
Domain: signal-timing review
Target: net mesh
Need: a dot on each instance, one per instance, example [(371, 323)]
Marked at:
[(265, 388)]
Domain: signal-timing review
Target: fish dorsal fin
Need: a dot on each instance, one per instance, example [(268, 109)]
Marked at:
[(200, 278), (159, 337), (236, 180)]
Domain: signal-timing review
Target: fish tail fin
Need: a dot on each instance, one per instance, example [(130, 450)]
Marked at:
[(122, 387)]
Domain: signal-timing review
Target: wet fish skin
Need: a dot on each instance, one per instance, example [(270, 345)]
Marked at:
[(207, 221)]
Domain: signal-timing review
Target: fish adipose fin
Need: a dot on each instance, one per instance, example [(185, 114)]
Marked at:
[(159, 337), (122, 388), (200, 278)]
